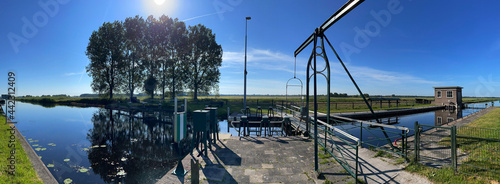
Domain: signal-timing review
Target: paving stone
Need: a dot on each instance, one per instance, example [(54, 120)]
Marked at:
[(267, 166), (256, 179)]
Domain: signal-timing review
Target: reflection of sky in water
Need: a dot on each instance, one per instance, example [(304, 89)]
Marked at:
[(142, 150), (376, 136)]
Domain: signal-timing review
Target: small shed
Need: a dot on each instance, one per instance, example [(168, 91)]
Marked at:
[(450, 95)]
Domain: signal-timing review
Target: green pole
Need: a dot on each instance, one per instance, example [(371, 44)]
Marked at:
[(357, 162), (454, 147), (417, 139), (316, 167)]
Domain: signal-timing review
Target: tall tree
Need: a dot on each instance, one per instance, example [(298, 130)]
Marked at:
[(105, 51), (178, 52), (134, 50), (152, 52), (164, 45), (204, 59)]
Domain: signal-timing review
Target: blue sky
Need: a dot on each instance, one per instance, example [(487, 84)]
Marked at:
[(423, 44)]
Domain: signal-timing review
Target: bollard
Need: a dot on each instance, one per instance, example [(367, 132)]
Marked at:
[(195, 172)]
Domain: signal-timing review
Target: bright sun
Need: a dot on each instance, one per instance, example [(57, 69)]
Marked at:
[(160, 7), (159, 2)]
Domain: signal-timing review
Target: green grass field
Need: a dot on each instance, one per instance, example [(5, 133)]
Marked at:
[(24, 172), (235, 103)]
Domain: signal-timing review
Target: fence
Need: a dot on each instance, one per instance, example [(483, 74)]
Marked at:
[(481, 150), (342, 146), (377, 136), (469, 150)]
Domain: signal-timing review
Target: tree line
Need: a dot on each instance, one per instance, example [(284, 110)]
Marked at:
[(335, 94), (153, 55)]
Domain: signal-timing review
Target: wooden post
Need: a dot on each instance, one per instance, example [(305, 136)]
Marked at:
[(380, 104), (195, 172), (389, 101)]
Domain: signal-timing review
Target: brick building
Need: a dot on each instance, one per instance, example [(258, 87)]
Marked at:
[(450, 96)]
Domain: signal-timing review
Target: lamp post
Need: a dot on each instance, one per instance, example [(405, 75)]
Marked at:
[(245, 72)]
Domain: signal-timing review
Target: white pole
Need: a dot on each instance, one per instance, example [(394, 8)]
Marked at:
[(175, 105), (185, 105)]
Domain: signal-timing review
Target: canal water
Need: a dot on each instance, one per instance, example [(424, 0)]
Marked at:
[(95, 145), (375, 136)]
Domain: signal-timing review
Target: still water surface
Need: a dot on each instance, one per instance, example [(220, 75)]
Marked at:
[(95, 145)]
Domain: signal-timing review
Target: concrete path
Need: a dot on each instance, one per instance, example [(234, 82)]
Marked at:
[(259, 160)]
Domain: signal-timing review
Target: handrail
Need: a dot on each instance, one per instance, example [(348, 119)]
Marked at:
[(339, 131), (372, 123)]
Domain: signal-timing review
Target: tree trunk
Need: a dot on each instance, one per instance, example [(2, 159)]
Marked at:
[(163, 88), (110, 93), (195, 91), (130, 84), (173, 84)]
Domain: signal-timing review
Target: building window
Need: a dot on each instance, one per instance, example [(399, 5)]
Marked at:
[(439, 120), (439, 94), (449, 94), (449, 120)]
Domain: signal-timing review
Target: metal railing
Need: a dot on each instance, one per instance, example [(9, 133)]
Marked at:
[(380, 136), (342, 146)]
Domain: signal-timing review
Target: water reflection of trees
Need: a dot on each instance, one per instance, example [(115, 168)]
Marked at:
[(142, 149)]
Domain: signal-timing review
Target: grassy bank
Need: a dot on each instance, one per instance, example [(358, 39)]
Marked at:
[(476, 150), (24, 172), (69, 101)]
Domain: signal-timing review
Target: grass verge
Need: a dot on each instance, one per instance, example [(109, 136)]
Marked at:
[(24, 172), (444, 175)]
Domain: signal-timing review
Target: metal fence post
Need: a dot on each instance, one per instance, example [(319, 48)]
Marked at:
[(417, 141), (454, 147), (403, 148), (361, 134), (357, 163)]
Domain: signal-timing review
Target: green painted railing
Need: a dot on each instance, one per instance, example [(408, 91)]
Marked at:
[(342, 146)]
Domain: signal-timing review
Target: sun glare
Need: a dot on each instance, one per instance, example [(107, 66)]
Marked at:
[(160, 7), (159, 2)]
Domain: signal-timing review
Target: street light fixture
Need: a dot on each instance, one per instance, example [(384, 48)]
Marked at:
[(245, 72)]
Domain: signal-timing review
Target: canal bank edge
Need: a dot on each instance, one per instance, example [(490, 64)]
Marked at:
[(41, 170)]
